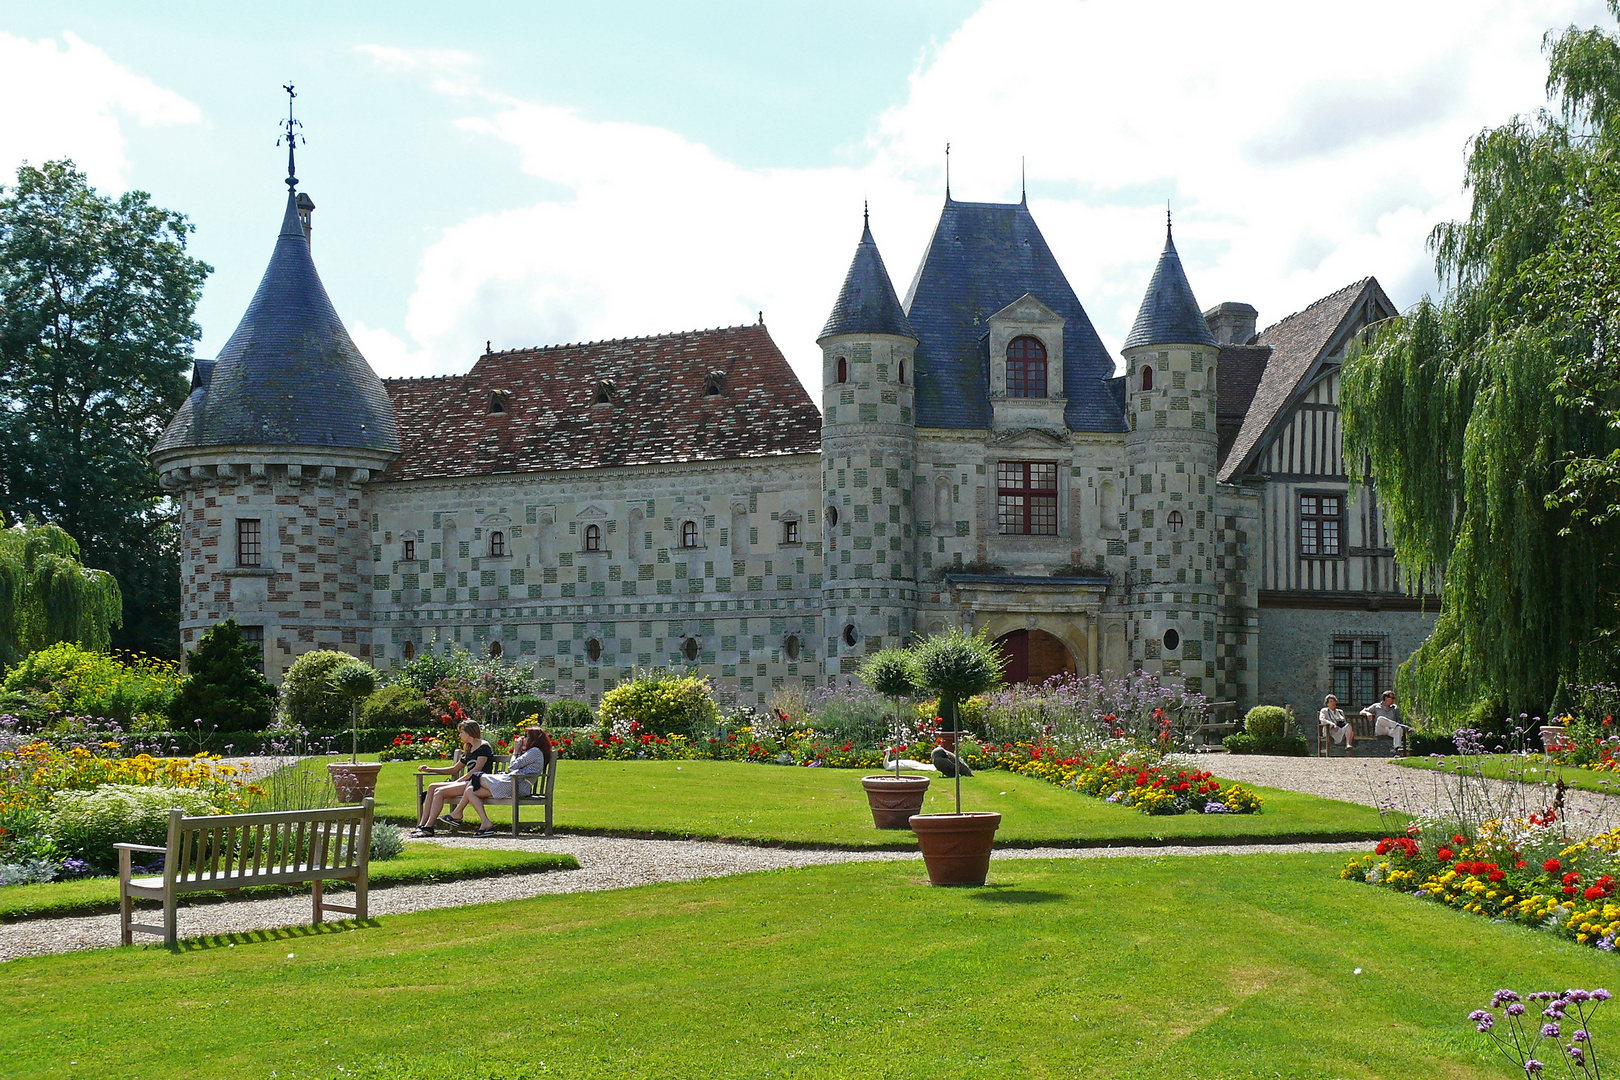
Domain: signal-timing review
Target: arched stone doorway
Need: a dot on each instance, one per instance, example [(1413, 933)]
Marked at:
[(1033, 656)]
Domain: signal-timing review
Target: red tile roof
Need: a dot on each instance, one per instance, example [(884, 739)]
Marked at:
[(659, 410)]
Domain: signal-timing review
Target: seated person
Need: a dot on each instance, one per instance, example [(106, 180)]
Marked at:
[(1333, 724), (530, 757), (476, 757), (1386, 718)]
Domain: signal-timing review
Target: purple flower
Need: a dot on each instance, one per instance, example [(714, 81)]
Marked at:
[(1515, 1009), (1576, 1054), (1533, 1067), (1483, 1019), (1601, 994), (1577, 995), (1581, 1035), (1549, 1031), (1503, 996)]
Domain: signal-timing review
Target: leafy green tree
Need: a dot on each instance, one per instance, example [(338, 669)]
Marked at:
[(96, 332), (309, 696), (1491, 416), (956, 666), (224, 688), (47, 595)]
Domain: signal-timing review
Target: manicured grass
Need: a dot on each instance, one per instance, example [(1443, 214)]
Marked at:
[(827, 807), (1215, 967), (1532, 770), (416, 864)]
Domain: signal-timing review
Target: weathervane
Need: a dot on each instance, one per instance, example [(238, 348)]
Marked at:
[(290, 127)]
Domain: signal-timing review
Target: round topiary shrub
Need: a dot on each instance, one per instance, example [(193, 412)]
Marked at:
[(86, 824), (955, 666), (398, 706), (309, 697), (663, 702), (1266, 722)]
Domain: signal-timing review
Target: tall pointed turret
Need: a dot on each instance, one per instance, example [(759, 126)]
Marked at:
[(867, 304), (1169, 315)]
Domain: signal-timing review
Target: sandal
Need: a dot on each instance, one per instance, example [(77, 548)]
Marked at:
[(485, 832), (450, 822), (422, 830)]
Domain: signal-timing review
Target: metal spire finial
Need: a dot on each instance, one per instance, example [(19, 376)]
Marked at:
[(1167, 219), (1023, 181), (866, 214), (947, 172), (290, 128)]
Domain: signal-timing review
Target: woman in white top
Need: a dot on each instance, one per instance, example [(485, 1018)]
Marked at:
[(1334, 725), (530, 757)]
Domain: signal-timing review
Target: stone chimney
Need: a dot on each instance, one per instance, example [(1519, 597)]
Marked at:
[(306, 210), (1232, 323)]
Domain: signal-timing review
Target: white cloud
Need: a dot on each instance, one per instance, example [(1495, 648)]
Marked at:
[(1303, 149), (70, 99)]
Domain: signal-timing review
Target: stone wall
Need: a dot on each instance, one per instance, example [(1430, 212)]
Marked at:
[(1295, 667)]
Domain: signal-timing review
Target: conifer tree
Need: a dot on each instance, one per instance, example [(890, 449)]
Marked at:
[(224, 688)]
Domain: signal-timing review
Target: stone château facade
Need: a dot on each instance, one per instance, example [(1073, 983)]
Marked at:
[(679, 500)]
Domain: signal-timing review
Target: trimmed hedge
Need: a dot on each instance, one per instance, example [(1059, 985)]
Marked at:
[(1278, 746)]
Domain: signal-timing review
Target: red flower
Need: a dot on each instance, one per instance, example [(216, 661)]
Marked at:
[(1457, 840), (1552, 866), (1444, 854), (1571, 878), (1497, 875), (1595, 893), (1569, 890)]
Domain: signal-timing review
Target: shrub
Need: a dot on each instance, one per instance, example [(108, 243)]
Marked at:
[(387, 841), (69, 678), (955, 665), (565, 713), (398, 706), (1283, 746), (86, 824), (1239, 743), (663, 702), (1266, 722), (309, 697), (517, 711), (890, 672), (224, 690)]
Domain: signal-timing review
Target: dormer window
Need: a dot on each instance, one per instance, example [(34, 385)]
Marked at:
[(1026, 368), (689, 534), (497, 544), (1147, 378), (843, 370), (497, 403), (714, 384), (606, 392), (593, 538)]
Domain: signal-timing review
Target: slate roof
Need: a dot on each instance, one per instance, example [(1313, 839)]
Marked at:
[(1298, 344), (1239, 371), (290, 375), (1169, 315), (982, 257), (867, 303), (659, 411)]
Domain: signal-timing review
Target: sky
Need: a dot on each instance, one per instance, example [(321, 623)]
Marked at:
[(526, 174)]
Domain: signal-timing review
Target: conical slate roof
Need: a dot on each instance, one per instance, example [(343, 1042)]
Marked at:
[(290, 375), (1169, 314), (867, 303)]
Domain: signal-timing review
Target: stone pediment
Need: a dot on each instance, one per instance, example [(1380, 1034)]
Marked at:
[(1030, 438), (1027, 309), (593, 511)]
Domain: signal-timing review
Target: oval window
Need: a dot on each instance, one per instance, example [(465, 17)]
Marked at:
[(593, 650), (1175, 521), (851, 635), (832, 516), (791, 646), (495, 650), (1172, 640), (690, 650)]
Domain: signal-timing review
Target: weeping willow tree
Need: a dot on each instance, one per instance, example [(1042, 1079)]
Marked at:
[(1491, 416), (47, 596)]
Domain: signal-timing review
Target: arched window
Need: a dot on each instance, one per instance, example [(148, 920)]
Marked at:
[(902, 372), (843, 370), (1175, 521), (410, 650), (495, 650), (791, 646), (1147, 378), (497, 544), (689, 649), (593, 650), (1026, 368), (689, 534), (593, 538)]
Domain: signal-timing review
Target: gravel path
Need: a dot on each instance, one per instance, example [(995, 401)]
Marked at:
[(605, 863)]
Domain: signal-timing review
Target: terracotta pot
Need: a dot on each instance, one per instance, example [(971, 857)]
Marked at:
[(894, 798), (956, 847), (354, 780)]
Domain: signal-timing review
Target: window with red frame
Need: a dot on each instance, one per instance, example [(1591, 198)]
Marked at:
[(1321, 525), (1026, 498), (1026, 368)]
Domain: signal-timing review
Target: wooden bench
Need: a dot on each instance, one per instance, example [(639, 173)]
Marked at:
[(545, 785), (1371, 744), (233, 851)]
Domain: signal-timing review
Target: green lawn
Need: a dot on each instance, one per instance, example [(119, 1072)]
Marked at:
[(1215, 967), (827, 807), (1533, 770), (417, 863)]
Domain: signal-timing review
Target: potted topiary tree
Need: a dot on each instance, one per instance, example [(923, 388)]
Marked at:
[(893, 799), (956, 847), (354, 779)]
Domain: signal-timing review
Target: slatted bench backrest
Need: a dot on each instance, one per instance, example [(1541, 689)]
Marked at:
[(540, 781), (231, 850)]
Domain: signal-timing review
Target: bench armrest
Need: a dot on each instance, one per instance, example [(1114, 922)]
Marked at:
[(141, 847)]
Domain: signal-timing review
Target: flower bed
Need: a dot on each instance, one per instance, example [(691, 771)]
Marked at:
[(1525, 872)]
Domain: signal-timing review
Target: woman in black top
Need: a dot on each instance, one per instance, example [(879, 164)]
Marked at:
[(476, 758)]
